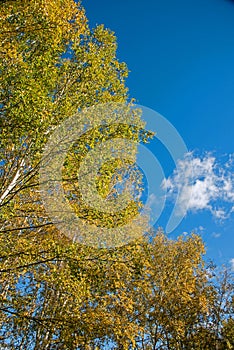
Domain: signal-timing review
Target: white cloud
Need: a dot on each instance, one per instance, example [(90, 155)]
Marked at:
[(152, 199), (232, 264), (202, 183), (216, 234), (200, 229), (220, 213)]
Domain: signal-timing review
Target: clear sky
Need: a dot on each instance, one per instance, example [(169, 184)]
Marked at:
[(181, 57)]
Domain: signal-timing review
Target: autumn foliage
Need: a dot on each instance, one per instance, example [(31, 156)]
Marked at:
[(55, 293)]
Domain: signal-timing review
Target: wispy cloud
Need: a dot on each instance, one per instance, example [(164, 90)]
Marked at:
[(216, 234), (203, 183), (232, 264)]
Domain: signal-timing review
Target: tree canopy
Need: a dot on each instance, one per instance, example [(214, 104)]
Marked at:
[(59, 293)]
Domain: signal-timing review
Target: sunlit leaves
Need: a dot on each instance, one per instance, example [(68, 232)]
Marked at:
[(152, 293)]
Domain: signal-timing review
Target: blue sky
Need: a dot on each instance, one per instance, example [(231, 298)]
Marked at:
[(181, 58)]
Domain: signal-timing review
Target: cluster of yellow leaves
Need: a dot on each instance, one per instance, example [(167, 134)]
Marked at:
[(52, 65), (150, 293)]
